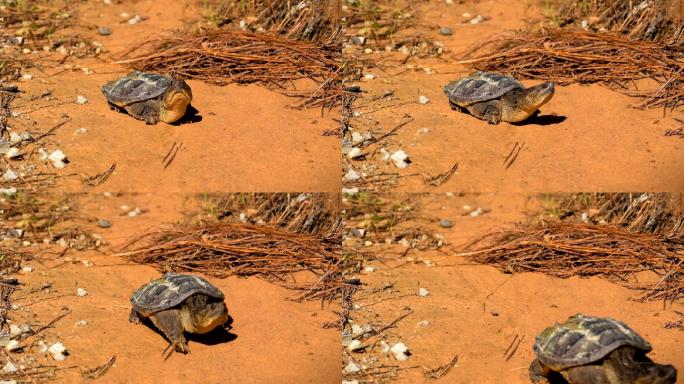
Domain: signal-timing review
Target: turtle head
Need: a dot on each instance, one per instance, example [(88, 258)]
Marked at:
[(177, 97), (204, 313), (651, 373), (537, 96)]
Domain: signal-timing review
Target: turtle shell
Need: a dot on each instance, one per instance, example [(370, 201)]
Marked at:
[(169, 291), (134, 87), (480, 86), (584, 339)]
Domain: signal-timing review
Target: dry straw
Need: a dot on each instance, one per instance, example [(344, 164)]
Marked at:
[(565, 250)]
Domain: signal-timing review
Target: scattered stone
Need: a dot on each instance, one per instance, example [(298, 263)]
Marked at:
[(477, 19), (26, 269), (42, 347), (13, 153), (58, 351), (8, 382), (423, 324), (369, 76), (369, 269), (135, 212), (104, 31), (135, 19), (81, 100), (400, 159), (345, 191), (343, 382), (351, 175), (423, 99), (81, 131), (14, 138), (80, 292), (352, 368), (385, 154), (14, 330), (355, 153), (358, 40), (367, 51), (446, 31), (355, 345), (356, 137), (16, 40), (58, 159), (9, 368), (81, 323), (478, 212), (13, 346), (384, 347), (400, 351), (26, 76), (102, 223), (10, 175), (423, 292), (446, 223), (357, 330), (8, 191)]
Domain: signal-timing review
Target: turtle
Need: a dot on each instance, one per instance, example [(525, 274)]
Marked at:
[(177, 303), (149, 96), (595, 350), (496, 98)]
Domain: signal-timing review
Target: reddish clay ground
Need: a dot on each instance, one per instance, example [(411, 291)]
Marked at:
[(476, 311), (587, 138)]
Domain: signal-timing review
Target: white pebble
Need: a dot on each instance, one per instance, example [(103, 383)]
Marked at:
[(355, 153), (345, 191), (13, 153), (369, 269), (135, 212), (81, 100), (352, 175), (8, 382), (26, 76), (352, 368), (14, 137), (81, 131), (57, 159), (8, 191), (14, 330), (477, 212), (357, 330), (13, 345), (355, 345), (369, 76), (57, 350), (80, 292), (42, 347), (357, 137), (423, 292), (423, 131), (399, 351), (135, 19), (399, 159), (10, 175), (343, 382), (423, 100), (81, 323), (423, 324), (26, 269), (9, 368)]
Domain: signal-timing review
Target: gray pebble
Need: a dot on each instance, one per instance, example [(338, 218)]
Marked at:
[(446, 31), (102, 223), (104, 31), (446, 223)]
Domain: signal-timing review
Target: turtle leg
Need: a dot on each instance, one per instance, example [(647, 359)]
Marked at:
[(539, 373), (147, 111), (169, 323), (489, 110), (134, 318)]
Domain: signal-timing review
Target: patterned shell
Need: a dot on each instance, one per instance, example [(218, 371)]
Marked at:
[(134, 87), (170, 290), (479, 86), (584, 339)]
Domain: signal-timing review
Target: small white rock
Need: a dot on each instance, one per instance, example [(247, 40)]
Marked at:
[(355, 153), (343, 382), (385, 154), (81, 100), (369, 76), (13, 153), (423, 131), (26, 269), (8, 191), (479, 211), (81, 323), (355, 345), (57, 158), (80, 292), (357, 330), (9, 368), (384, 347), (14, 138), (369, 269), (345, 191), (135, 212), (356, 137), (57, 350), (423, 292), (399, 159), (423, 100), (10, 175), (399, 351), (135, 19), (352, 175), (13, 345), (8, 382), (423, 324), (26, 76), (352, 368), (14, 330), (42, 347), (81, 131)]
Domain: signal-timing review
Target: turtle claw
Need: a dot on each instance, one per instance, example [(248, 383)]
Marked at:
[(181, 347)]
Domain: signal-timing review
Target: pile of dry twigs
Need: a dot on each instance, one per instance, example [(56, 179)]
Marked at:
[(232, 56), (314, 213), (566, 57), (654, 20), (303, 20), (231, 249), (657, 213), (565, 250)]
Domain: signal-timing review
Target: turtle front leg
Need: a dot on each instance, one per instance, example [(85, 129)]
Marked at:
[(493, 114), (134, 318), (169, 323), (539, 373), (147, 111)]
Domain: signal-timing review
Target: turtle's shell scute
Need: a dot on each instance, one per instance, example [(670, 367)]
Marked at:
[(480, 86), (134, 87), (169, 291), (584, 339)]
